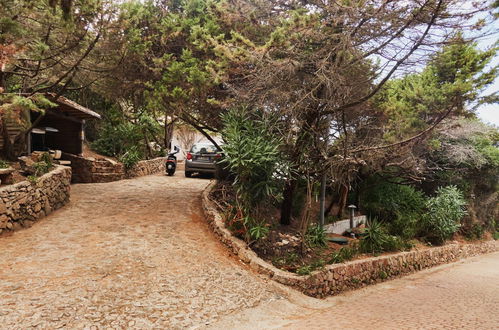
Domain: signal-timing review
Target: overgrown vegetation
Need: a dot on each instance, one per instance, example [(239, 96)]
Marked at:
[(298, 93), (443, 215), (43, 165), (252, 155)]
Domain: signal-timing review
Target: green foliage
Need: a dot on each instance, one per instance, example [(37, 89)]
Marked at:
[(316, 236), (288, 259), (475, 232), (344, 254), (455, 76), (116, 140), (374, 239), (44, 165), (131, 157), (304, 270), (308, 269), (444, 211), (397, 243), (45, 157), (252, 154), (399, 206), (33, 179), (258, 232), (4, 164), (119, 137)]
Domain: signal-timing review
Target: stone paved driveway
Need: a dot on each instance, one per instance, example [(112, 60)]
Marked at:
[(462, 295), (138, 254), (128, 254)]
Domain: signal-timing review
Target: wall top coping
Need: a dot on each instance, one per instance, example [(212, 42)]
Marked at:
[(24, 184)]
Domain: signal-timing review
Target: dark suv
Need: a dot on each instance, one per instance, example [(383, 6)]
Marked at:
[(202, 158)]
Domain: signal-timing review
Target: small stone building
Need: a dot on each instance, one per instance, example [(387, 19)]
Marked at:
[(61, 128)]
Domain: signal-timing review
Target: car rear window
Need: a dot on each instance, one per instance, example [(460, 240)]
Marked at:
[(205, 148)]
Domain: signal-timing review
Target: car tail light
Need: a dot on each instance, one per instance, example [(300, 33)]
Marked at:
[(218, 156), (189, 156)]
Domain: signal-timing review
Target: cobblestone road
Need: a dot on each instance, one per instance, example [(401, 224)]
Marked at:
[(128, 254), (138, 254)]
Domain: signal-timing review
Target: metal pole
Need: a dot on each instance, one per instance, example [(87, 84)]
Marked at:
[(322, 200), (352, 214)]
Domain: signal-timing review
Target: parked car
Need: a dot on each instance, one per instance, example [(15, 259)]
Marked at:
[(202, 158)]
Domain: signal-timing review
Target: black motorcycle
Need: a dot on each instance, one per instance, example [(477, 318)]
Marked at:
[(171, 161)]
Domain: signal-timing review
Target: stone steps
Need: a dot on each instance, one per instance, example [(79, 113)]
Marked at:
[(106, 177)]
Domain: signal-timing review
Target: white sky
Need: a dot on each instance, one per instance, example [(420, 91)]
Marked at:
[(490, 113)]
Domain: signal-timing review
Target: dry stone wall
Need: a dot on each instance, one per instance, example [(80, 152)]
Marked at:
[(23, 203), (147, 167), (337, 278), (92, 170)]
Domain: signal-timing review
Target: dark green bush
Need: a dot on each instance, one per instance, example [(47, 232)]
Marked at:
[(44, 165), (116, 139), (258, 231), (343, 254), (316, 236), (475, 232), (374, 238), (399, 206), (252, 155), (443, 215), (131, 157)]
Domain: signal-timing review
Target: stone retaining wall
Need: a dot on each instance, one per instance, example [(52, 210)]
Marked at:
[(23, 203), (337, 278), (92, 170), (147, 167)]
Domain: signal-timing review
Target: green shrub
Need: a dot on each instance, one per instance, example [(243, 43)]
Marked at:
[(475, 232), (398, 206), (41, 168), (32, 179), (116, 139), (4, 164), (343, 254), (45, 157), (396, 243), (288, 259), (252, 155), (374, 239), (316, 236), (258, 232), (130, 157), (444, 211), (304, 270)]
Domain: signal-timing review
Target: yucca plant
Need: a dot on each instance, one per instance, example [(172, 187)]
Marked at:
[(374, 238)]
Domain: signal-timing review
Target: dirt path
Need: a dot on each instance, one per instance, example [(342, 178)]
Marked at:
[(134, 253)]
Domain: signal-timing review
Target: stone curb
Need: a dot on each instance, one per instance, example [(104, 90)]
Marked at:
[(337, 278)]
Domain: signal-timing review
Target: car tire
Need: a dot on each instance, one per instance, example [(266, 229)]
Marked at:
[(188, 174)]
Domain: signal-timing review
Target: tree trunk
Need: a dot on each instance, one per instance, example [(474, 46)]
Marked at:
[(287, 203), (148, 147), (167, 140), (329, 207), (8, 151), (342, 200)]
